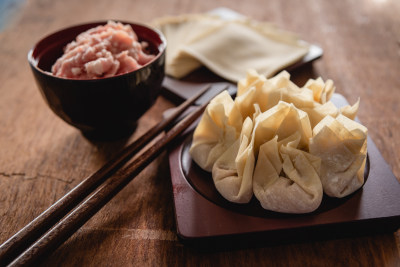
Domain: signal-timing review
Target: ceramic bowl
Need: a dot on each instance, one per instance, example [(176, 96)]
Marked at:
[(105, 107)]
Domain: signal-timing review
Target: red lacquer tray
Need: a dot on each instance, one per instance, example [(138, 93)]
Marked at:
[(206, 220)]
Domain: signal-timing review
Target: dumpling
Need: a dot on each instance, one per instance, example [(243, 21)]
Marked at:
[(218, 128), (322, 91), (341, 143), (233, 171), (350, 111), (254, 90), (278, 135), (286, 179), (322, 107), (283, 120), (252, 79), (313, 98), (320, 111)]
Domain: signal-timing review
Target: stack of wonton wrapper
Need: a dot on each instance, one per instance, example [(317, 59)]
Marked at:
[(227, 47), (283, 144)]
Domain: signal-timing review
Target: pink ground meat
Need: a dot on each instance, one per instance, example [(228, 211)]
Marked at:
[(101, 52)]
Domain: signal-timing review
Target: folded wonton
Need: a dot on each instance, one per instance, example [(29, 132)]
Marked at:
[(218, 128), (313, 98), (322, 91), (341, 144), (286, 179), (282, 120), (233, 171)]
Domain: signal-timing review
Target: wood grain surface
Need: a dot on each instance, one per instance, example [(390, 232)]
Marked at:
[(42, 158)]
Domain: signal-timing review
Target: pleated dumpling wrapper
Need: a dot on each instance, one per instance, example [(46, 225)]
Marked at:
[(227, 47), (286, 179), (313, 98), (322, 92), (341, 143), (266, 93), (233, 171), (283, 120), (218, 128)]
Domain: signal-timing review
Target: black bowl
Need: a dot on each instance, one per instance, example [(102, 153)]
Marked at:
[(105, 107)]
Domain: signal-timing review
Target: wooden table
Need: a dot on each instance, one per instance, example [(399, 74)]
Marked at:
[(42, 158)]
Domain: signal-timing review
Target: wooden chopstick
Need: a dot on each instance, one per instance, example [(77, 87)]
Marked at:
[(10, 249), (74, 220)]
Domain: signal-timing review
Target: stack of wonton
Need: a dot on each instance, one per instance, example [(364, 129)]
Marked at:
[(228, 47), (284, 144)]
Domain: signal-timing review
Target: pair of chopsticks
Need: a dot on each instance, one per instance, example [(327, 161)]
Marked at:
[(56, 224)]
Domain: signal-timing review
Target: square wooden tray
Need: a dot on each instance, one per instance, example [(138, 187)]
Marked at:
[(205, 220)]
